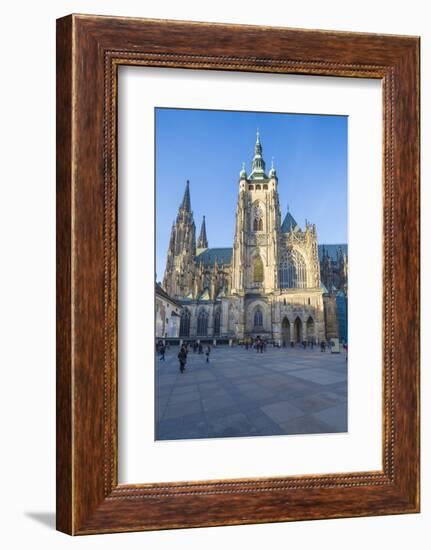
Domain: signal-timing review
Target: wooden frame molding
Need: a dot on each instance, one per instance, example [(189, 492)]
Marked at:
[(89, 51)]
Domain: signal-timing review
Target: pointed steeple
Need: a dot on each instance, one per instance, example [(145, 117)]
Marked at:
[(289, 223), (258, 164), (186, 204), (272, 172), (202, 241), (172, 239)]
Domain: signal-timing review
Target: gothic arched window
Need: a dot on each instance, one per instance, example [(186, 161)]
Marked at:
[(217, 319), (257, 218), (257, 270), (185, 323), (292, 270), (202, 323), (258, 318), (257, 224)]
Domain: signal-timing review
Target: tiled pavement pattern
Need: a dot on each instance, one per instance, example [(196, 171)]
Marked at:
[(244, 393)]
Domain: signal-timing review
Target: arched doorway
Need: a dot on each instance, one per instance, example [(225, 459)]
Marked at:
[(310, 329), (298, 330), (285, 332)]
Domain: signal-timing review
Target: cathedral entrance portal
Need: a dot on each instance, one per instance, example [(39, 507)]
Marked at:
[(298, 330), (285, 331)]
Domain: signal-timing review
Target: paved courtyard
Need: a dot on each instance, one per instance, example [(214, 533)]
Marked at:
[(244, 393)]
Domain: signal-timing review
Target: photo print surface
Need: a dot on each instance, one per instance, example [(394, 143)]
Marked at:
[(251, 289)]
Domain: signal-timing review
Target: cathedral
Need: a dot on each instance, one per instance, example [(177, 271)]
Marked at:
[(268, 284)]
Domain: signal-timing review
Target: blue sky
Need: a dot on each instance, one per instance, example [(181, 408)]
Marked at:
[(208, 148)]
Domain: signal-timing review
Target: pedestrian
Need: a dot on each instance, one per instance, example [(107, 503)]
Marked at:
[(162, 350), (207, 353), (304, 344), (182, 357), (322, 345), (200, 349)]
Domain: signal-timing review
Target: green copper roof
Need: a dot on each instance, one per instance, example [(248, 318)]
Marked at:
[(258, 164), (331, 250), (209, 256), (289, 223)]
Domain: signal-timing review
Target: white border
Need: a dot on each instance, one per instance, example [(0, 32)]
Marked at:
[(143, 460)]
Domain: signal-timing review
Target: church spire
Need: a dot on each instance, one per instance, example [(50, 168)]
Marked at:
[(258, 164), (203, 241), (273, 172), (186, 205)]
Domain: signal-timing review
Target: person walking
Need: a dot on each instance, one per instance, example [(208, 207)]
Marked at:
[(182, 357), (162, 350), (207, 353)]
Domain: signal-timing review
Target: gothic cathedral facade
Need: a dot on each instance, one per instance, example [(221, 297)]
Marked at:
[(267, 285)]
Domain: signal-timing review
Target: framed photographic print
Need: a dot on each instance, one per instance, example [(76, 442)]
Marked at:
[(237, 274)]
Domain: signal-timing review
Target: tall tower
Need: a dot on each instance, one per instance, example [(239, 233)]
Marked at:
[(254, 263), (202, 240), (179, 272)]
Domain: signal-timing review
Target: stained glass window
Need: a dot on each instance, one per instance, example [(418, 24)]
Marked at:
[(257, 270)]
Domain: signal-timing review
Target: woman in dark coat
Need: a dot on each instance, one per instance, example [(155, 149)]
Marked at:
[(182, 357)]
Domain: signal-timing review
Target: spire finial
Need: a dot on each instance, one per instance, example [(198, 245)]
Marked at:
[(258, 164), (272, 163), (186, 205), (203, 241), (288, 207)]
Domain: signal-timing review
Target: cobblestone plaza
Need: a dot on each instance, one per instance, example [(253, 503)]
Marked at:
[(240, 392)]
